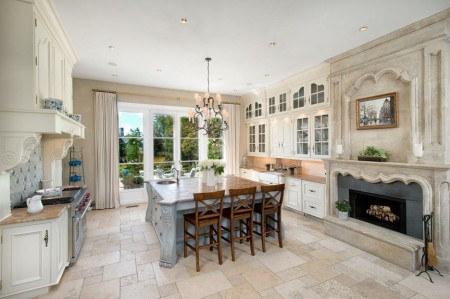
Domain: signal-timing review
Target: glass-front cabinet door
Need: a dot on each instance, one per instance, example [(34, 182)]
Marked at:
[(248, 111), (317, 94), (298, 98), (257, 139), (261, 138), (258, 109), (321, 135), (302, 137), (272, 105), (283, 102), (251, 139)]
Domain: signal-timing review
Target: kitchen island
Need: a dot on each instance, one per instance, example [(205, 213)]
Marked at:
[(168, 203)]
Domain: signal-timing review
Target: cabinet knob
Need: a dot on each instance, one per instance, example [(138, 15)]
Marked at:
[(312, 207), (312, 191)]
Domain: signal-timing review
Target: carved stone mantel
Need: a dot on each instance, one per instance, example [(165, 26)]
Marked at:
[(433, 179)]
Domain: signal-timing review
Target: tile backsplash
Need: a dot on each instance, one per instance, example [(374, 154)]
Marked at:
[(25, 180)]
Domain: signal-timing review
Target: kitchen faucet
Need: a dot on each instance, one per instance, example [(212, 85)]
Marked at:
[(176, 174)]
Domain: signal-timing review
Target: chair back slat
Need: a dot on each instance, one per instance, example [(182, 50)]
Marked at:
[(242, 200), (272, 196), (208, 205)]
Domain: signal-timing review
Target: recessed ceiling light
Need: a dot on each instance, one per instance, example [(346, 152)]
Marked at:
[(159, 70), (112, 64), (249, 83), (266, 75), (111, 47), (184, 21), (114, 75), (363, 28), (272, 44)]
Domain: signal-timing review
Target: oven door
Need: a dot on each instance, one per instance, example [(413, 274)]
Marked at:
[(79, 229)]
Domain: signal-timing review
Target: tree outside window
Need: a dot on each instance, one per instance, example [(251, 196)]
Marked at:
[(163, 144), (131, 150), (215, 141), (189, 150)]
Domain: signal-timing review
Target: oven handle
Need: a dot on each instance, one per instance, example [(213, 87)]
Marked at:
[(85, 211)]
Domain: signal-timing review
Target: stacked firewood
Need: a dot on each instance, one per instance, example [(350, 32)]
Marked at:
[(382, 213)]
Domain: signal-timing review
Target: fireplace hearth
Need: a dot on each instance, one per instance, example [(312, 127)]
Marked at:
[(385, 211)]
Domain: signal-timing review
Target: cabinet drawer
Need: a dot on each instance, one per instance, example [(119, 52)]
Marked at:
[(313, 190), (293, 184), (313, 207)]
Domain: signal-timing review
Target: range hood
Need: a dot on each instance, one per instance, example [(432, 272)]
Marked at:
[(22, 130)]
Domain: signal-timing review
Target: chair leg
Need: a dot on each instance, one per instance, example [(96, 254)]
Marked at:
[(241, 231), (263, 232), (197, 249), (185, 240), (250, 231), (211, 237), (232, 239), (280, 242), (219, 241)]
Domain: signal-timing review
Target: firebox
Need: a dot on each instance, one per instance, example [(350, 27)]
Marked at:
[(384, 211)]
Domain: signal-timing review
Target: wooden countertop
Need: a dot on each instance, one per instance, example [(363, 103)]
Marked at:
[(21, 215), (184, 190)]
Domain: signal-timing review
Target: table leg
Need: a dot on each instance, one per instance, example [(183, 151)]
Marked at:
[(168, 256)]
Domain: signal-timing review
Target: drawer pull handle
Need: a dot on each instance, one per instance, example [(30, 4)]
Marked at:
[(46, 238), (312, 190), (312, 207)]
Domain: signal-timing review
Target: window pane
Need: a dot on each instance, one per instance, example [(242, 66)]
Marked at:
[(131, 150), (162, 125), (162, 150), (188, 128), (163, 170), (131, 176), (131, 124), (216, 123), (189, 149), (215, 148)]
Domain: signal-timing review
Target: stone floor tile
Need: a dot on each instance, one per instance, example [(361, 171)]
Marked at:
[(203, 285), (236, 280), (165, 276), (402, 290), (168, 289), (270, 294), (145, 272), (130, 279), (345, 280), (145, 289), (291, 273), (371, 289), (72, 274), (92, 280), (242, 291), (334, 289), (103, 246), (420, 284), (309, 280), (262, 279), (296, 289), (118, 270), (97, 261), (69, 289), (280, 260), (104, 290), (148, 256)]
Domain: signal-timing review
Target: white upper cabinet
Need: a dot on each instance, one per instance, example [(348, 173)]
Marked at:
[(281, 144), (36, 56), (278, 103), (312, 135), (310, 94), (254, 109), (257, 139)]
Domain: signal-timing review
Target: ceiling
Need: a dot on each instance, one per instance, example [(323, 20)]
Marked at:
[(153, 48)]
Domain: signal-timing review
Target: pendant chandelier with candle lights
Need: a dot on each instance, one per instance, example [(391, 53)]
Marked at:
[(210, 111)]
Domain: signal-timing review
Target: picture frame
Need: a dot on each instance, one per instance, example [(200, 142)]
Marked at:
[(377, 112)]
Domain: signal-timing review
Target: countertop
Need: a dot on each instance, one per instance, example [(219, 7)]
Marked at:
[(300, 176), (184, 190), (21, 215)]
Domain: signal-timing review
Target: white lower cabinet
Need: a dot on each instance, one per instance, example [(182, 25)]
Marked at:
[(313, 195), (33, 255), (249, 174), (293, 194)]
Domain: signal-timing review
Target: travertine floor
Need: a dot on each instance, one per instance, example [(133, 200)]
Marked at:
[(120, 260)]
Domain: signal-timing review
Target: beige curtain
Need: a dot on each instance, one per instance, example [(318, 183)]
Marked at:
[(231, 137), (106, 151)]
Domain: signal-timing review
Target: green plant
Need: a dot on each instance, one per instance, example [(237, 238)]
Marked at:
[(343, 205), (372, 151)]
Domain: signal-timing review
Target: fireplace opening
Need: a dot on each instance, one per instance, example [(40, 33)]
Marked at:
[(385, 211)]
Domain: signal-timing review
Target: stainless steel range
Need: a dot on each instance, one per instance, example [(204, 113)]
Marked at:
[(79, 200)]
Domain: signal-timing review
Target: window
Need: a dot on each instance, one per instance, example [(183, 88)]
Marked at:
[(215, 142), (299, 98), (189, 149), (131, 150), (163, 143)]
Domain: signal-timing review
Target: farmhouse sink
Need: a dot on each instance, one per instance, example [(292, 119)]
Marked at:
[(166, 182)]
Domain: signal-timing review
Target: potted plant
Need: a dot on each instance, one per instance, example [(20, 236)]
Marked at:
[(371, 153), (343, 207)]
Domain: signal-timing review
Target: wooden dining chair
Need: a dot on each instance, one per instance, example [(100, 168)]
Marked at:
[(208, 213), (272, 199), (241, 209)]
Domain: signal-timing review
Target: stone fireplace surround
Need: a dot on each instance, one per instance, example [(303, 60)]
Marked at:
[(392, 246)]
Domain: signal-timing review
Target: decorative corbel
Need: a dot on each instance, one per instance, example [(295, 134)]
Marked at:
[(16, 148)]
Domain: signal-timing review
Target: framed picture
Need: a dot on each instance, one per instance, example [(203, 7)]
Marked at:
[(378, 112)]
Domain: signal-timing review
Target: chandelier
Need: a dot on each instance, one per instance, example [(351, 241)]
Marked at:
[(212, 113)]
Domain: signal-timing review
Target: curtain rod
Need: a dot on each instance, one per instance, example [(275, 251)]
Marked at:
[(153, 96), (100, 90)]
